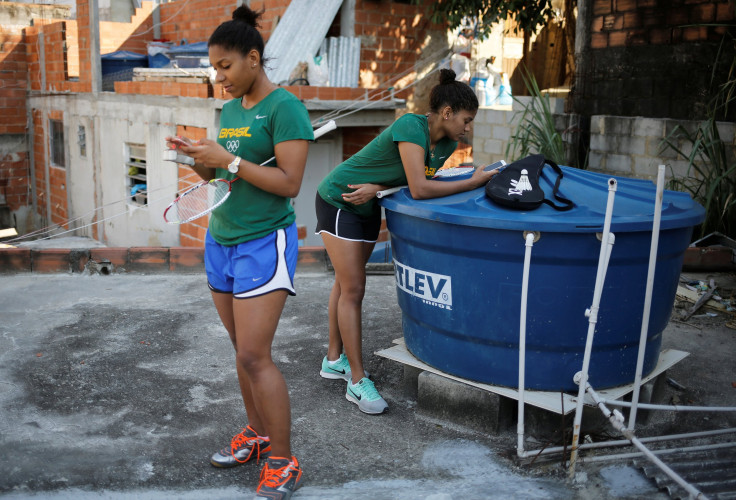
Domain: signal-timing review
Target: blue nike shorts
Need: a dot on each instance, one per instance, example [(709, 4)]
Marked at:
[(253, 268)]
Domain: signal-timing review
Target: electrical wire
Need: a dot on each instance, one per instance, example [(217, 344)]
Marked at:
[(337, 114)]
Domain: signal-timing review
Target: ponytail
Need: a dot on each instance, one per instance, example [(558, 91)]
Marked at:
[(240, 33), (450, 92)]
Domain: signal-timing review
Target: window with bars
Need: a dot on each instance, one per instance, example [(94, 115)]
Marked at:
[(57, 143), (135, 166)]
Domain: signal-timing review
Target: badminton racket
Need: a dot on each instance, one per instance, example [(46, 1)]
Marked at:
[(205, 196)]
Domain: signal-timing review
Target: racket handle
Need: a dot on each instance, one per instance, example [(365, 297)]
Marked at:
[(386, 192), (327, 127), (175, 156)]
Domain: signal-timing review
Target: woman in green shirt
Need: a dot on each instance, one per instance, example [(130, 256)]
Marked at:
[(410, 151), (251, 244)]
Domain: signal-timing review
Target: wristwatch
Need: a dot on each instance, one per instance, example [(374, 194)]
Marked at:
[(234, 165)]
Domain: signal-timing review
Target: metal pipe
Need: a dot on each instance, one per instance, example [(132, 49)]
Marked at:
[(648, 295), (617, 420), (648, 406), (626, 442), (529, 243), (667, 451), (592, 314)]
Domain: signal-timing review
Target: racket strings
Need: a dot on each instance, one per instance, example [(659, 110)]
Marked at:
[(198, 201)]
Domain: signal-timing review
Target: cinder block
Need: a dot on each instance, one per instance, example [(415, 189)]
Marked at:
[(616, 125), (633, 146), (481, 130), (648, 127), (411, 381), (446, 399), (493, 146), (501, 133), (619, 163), (312, 259)]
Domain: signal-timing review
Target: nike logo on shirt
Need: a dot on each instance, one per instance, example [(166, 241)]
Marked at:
[(259, 117)]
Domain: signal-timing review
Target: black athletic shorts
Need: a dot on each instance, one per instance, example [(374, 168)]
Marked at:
[(346, 225)]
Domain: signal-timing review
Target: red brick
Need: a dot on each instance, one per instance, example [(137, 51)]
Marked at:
[(52, 260), (314, 258), (117, 256), (599, 41), (142, 259), (14, 260), (186, 259), (617, 39)]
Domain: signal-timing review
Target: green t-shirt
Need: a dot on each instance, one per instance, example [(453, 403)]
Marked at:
[(379, 162), (250, 213)]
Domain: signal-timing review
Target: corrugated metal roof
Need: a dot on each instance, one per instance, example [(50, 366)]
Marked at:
[(298, 35), (343, 60), (712, 472)]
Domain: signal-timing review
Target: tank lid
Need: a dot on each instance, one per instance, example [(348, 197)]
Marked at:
[(633, 207)]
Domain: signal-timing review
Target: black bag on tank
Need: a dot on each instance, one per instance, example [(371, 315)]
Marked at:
[(517, 185)]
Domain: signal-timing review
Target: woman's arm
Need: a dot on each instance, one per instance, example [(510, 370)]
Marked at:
[(412, 156), (283, 180), (363, 193)]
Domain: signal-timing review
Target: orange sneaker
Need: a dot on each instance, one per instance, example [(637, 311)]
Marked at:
[(244, 446), (279, 479)]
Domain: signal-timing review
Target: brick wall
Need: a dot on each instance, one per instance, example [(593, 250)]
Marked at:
[(392, 37), (13, 69), (191, 234), (656, 57), (14, 179), (132, 36), (195, 20)]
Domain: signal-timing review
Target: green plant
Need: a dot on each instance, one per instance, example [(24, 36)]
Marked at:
[(711, 175), (536, 132), (711, 169)]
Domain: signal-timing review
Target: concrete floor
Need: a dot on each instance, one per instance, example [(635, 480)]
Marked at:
[(122, 386)]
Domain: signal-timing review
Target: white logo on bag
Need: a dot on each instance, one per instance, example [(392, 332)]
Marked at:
[(232, 146), (518, 187), (431, 288)]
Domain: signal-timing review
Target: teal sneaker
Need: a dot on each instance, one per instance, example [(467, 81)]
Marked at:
[(340, 369), (365, 395)]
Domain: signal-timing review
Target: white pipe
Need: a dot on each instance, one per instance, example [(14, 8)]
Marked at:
[(592, 315), (626, 442), (386, 192), (647, 406), (522, 342), (648, 295), (667, 451), (617, 419)]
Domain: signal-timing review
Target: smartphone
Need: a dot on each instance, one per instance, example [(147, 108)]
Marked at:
[(178, 141), (500, 165)]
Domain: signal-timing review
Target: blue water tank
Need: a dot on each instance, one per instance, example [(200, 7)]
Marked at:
[(190, 55), (459, 264), (122, 61)]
